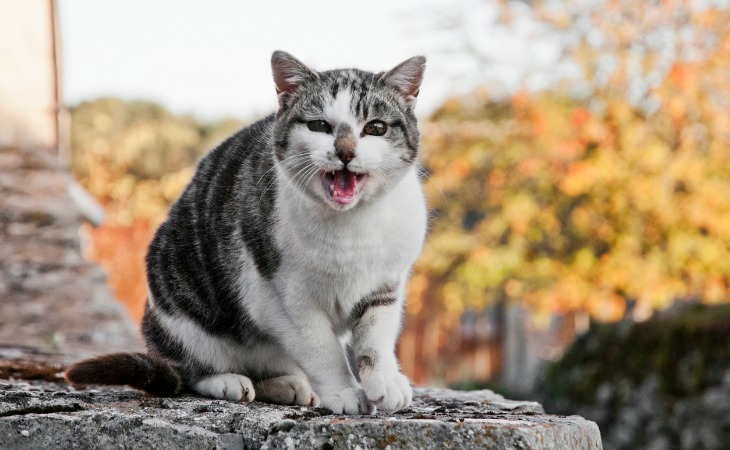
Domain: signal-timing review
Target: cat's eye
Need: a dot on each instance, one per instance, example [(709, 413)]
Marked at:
[(375, 128), (319, 126)]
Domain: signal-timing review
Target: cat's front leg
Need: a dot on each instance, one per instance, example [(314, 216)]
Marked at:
[(317, 350), (374, 336)]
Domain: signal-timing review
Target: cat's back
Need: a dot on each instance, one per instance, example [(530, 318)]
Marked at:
[(240, 155), (191, 264), (230, 170)]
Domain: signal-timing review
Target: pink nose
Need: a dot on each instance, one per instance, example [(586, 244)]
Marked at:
[(346, 155)]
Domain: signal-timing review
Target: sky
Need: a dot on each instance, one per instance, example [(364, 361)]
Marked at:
[(212, 58)]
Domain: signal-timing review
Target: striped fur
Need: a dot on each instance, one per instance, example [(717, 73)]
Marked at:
[(287, 241), (384, 296)]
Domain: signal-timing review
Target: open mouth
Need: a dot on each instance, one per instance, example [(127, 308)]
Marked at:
[(342, 186)]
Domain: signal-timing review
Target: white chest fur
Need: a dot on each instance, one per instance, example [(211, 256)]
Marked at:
[(335, 258)]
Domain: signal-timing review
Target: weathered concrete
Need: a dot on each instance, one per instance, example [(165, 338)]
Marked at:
[(48, 415)]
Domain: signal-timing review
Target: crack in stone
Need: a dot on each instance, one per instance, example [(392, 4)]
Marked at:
[(43, 409)]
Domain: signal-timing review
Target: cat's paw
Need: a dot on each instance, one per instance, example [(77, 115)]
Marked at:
[(388, 390), (348, 401), (226, 386), (287, 390)]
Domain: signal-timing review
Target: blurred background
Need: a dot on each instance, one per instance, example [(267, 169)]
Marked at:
[(576, 160)]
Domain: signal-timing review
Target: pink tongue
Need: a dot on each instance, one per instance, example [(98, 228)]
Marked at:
[(344, 183)]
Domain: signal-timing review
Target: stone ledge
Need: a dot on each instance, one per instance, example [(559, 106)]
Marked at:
[(45, 415)]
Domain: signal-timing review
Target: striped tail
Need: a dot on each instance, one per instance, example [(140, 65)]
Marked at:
[(142, 371)]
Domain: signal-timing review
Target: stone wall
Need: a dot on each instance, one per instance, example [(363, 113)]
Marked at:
[(52, 415)]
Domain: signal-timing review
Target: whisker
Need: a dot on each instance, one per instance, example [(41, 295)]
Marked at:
[(284, 162), (301, 178), (438, 188), (294, 161)]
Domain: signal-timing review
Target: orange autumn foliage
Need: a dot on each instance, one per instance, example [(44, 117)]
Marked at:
[(576, 202), (120, 251)]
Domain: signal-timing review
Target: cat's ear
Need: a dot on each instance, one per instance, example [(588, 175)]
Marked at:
[(406, 78), (289, 73)]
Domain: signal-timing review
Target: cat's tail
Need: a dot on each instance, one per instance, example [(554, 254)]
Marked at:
[(143, 371)]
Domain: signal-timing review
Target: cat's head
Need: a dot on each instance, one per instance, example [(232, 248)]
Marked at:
[(345, 136)]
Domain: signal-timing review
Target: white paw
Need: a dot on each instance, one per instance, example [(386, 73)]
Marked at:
[(287, 390), (388, 390), (348, 401), (226, 386)]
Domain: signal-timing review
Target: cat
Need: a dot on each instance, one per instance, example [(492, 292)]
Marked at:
[(292, 244)]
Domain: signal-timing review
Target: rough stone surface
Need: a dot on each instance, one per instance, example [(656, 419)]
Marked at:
[(48, 415)]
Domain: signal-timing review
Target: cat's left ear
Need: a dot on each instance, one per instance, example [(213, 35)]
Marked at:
[(406, 78), (289, 74)]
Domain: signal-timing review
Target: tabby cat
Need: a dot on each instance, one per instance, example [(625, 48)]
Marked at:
[(288, 251)]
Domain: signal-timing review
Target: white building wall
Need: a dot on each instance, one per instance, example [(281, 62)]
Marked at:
[(27, 74)]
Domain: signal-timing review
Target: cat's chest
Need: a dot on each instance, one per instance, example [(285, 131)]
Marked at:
[(343, 258), (384, 241)]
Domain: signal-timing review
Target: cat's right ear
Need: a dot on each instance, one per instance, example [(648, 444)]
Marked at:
[(289, 74), (406, 78)]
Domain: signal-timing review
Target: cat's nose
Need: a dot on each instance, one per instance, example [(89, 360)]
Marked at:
[(346, 155), (345, 144)]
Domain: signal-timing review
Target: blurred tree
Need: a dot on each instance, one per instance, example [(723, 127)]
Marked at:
[(136, 157), (611, 185)]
